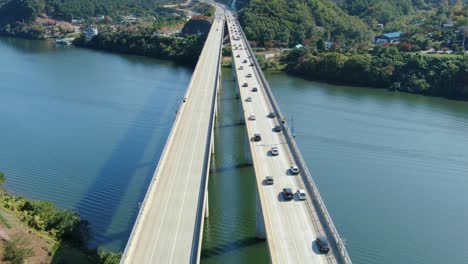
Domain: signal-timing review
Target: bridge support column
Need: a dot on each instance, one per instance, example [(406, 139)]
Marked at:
[(260, 224), (212, 145), (207, 210)]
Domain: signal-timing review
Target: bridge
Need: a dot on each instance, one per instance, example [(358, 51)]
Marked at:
[(169, 226)]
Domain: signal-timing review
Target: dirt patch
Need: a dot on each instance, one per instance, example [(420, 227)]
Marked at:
[(63, 25), (41, 245)]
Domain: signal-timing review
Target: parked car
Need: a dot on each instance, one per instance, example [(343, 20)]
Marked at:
[(294, 169), (277, 129), (241, 67), (238, 56), (245, 84), (269, 180), (255, 89), (271, 115), (252, 117), (288, 194), (248, 99), (248, 75), (245, 61), (323, 245), (301, 194), (257, 137), (274, 151)]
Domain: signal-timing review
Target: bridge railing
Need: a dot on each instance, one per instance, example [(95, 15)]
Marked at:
[(307, 176)]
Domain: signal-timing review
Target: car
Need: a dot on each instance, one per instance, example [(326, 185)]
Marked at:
[(301, 194), (323, 245), (238, 56), (252, 117), (257, 137), (294, 169), (272, 115), (245, 61), (251, 64), (274, 151), (277, 128), (245, 84), (248, 75), (255, 89), (241, 67), (288, 194), (269, 180), (248, 99)]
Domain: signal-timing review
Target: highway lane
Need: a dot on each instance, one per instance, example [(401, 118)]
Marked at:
[(167, 230), (290, 226)]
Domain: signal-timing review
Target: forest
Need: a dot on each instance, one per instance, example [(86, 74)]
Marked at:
[(182, 50), (385, 67)]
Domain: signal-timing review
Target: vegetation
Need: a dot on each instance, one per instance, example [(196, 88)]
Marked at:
[(287, 23), (17, 250), (183, 50), (385, 67), (62, 225)]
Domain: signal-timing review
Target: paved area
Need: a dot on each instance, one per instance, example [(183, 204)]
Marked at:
[(291, 226), (169, 226)]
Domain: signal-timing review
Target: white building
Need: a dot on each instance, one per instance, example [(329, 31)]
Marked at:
[(91, 31)]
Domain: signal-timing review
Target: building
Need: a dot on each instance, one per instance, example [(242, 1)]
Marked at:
[(392, 37), (448, 25), (91, 31)]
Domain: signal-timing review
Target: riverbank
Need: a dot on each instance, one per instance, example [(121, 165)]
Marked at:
[(181, 50), (34, 231)]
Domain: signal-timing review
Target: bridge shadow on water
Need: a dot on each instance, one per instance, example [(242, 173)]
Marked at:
[(127, 173), (231, 167), (230, 246)]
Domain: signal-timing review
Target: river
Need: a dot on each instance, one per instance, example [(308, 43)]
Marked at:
[(85, 129)]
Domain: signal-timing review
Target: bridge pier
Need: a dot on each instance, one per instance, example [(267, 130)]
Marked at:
[(259, 223), (207, 210)]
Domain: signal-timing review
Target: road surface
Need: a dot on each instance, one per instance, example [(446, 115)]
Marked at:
[(170, 223)]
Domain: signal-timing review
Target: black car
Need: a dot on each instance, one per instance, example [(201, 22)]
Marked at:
[(255, 89), (257, 137), (272, 115), (277, 129), (323, 244), (288, 194)]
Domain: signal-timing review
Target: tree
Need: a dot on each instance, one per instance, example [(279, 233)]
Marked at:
[(2, 179), (321, 46)]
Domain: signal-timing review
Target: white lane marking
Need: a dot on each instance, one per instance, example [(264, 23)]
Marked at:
[(173, 179), (190, 168)]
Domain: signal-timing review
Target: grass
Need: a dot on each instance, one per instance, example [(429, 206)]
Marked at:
[(4, 221)]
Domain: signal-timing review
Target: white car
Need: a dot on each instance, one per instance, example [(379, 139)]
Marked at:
[(274, 151), (294, 169), (301, 194), (252, 117), (249, 99)]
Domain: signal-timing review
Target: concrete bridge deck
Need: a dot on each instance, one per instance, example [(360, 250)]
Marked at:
[(170, 222), (291, 227)]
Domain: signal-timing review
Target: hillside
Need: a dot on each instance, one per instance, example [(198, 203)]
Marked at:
[(27, 10), (347, 23), (291, 22)]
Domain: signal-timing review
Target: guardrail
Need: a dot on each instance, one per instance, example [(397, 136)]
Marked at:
[(199, 220), (159, 165), (310, 184)]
